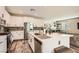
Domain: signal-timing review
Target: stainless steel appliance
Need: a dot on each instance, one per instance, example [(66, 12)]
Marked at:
[(28, 27)]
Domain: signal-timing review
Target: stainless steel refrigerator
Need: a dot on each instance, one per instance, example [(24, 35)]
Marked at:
[(28, 27)]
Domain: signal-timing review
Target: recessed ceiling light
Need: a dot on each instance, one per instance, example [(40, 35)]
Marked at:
[(32, 9)]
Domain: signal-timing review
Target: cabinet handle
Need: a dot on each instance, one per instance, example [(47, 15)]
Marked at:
[(59, 42)]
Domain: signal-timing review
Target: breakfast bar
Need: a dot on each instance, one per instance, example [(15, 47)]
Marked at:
[(47, 42)]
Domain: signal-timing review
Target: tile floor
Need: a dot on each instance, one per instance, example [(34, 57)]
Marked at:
[(22, 46)]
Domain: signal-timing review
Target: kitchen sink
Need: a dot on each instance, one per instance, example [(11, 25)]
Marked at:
[(43, 36)]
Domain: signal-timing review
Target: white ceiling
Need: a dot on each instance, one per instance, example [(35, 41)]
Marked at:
[(52, 12)]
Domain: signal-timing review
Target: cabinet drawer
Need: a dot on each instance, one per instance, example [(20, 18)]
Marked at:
[(37, 45)]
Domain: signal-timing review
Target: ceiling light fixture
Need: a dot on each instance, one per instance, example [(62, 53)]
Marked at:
[(32, 9)]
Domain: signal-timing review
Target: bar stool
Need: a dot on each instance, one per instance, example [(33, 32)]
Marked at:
[(63, 49)]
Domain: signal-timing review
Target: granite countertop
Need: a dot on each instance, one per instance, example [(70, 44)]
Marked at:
[(58, 35), (3, 33), (69, 33), (40, 37), (43, 36), (49, 36)]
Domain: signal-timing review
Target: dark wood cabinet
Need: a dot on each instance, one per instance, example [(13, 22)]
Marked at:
[(38, 45)]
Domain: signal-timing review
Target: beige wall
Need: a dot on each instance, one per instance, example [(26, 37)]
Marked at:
[(19, 21)]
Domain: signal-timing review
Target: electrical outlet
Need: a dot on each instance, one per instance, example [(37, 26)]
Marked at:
[(59, 42)]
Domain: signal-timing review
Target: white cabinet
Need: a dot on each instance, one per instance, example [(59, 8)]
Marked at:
[(48, 45), (65, 41), (3, 44), (56, 40), (31, 41), (17, 35), (4, 14)]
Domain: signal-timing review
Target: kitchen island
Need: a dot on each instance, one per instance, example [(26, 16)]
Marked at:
[(46, 43)]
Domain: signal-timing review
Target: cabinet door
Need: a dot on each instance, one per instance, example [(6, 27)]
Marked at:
[(65, 41), (31, 42), (37, 46), (3, 44), (57, 42)]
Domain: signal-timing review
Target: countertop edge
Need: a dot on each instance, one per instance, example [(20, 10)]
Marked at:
[(3, 33)]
